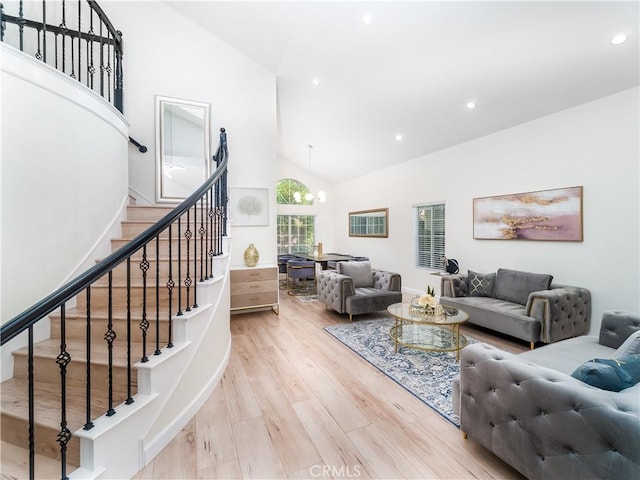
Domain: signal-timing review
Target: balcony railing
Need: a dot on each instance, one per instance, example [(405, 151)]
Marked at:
[(74, 37)]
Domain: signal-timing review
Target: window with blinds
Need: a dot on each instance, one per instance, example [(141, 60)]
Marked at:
[(430, 236)]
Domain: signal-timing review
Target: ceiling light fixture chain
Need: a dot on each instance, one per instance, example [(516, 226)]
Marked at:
[(309, 196)]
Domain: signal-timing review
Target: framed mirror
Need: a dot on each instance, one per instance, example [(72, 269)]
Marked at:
[(369, 223), (182, 148)]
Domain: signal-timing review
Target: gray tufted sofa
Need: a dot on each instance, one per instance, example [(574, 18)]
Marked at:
[(530, 411), (523, 305), (356, 288)]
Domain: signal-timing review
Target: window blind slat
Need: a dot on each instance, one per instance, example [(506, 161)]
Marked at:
[(430, 236)]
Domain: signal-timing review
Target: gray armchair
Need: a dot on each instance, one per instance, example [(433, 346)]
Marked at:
[(356, 288)]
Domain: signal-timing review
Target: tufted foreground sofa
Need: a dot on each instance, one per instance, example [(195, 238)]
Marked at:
[(530, 411), (356, 288), (521, 304)]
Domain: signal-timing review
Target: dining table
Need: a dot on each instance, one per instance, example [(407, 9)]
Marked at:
[(324, 259)]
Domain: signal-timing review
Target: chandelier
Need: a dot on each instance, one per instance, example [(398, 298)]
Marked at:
[(297, 196)]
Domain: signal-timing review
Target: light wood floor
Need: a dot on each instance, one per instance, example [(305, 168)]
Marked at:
[(296, 403)]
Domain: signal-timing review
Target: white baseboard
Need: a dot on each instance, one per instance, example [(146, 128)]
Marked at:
[(140, 198), (102, 247)]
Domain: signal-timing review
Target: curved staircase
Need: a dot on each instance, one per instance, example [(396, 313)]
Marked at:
[(119, 364)]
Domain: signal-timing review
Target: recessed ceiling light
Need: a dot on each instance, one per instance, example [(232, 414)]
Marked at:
[(471, 105), (618, 39), (367, 19), (316, 81), (399, 137)]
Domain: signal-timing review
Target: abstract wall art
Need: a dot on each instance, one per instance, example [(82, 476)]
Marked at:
[(249, 206), (543, 215)]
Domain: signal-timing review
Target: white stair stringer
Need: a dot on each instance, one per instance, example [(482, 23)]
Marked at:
[(172, 387)]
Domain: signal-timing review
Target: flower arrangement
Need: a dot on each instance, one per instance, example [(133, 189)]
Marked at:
[(426, 304), (428, 299)]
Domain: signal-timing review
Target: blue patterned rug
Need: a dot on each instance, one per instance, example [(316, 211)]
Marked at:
[(427, 375)]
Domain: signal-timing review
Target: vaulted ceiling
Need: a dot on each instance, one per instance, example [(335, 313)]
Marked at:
[(350, 88)]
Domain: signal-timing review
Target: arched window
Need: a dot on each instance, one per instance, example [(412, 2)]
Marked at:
[(295, 232), (291, 192)]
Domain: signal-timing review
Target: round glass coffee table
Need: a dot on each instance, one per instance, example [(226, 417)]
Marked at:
[(440, 333)]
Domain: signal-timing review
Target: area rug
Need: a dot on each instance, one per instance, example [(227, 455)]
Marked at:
[(427, 375), (307, 298), (306, 295)]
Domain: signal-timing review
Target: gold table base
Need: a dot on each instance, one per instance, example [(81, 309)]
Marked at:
[(439, 333)]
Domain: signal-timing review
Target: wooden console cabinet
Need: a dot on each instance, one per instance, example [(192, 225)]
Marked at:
[(254, 287)]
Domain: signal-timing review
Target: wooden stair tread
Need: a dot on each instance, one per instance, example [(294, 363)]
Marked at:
[(47, 403), (77, 349), (118, 313), (15, 463)]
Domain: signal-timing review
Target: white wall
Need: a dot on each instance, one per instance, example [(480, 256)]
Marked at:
[(174, 57), (57, 138), (594, 145)]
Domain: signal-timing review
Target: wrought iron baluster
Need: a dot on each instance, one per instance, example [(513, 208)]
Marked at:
[(217, 201), (80, 41), (73, 64), (55, 49), (144, 323), (38, 54), (88, 425), (63, 29), (2, 23), (110, 336), (44, 31), (21, 23), (187, 280), (108, 67), (129, 399), (179, 266), (195, 252), (91, 69), (118, 100), (102, 67), (202, 232), (157, 351), (211, 233), (63, 360), (219, 223), (170, 285), (32, 416)]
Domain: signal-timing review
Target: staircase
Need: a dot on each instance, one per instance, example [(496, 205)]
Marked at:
[(111, 382)]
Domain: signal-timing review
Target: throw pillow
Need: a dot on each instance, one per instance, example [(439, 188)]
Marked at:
[(631, 346), (614, 374), (360, 272), (480, 284), (515, 286)]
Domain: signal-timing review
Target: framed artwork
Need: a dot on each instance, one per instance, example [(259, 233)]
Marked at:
[(249, 206), (369, 223), (554, 215)]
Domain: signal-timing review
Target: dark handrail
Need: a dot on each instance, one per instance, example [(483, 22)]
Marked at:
[(142, 148), (31, 316)]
